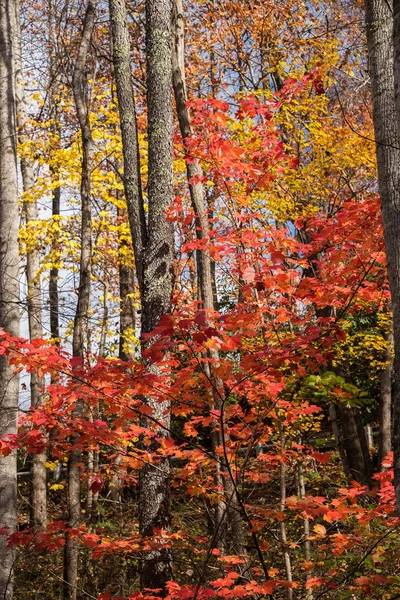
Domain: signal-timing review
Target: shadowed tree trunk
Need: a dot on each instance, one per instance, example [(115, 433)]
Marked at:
[(9, 285), (83, 303), (380, 38)]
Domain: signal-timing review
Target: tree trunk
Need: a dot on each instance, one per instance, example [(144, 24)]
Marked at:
[(83, 303), (127, 112), (194, 170), (56, 191), (34, 300), (356, 462), (232, 535), (153, 242), (380, 36), (158, 282), (385, 406), (9, 286), (127, 315)]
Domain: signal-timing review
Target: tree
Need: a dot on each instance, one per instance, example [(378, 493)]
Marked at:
[(9, 286), (380, 36), (83, 303), (152, 241)]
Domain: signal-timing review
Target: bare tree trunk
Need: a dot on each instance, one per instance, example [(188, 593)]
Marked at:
[(153, 242), (9, 286), (158, 282), (127, 111), (56, 191), (83, 303), (282, 506), (385, 406), (194, 170), (34, 300), (380, 37)]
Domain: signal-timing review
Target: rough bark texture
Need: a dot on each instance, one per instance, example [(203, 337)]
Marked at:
[(158, 281), (152, 241), (385, 406), (127, 111), (9, 284), (34, 299), (379, 26), (83, 303)]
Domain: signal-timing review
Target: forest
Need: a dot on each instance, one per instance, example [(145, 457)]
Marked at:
[(199, 299)]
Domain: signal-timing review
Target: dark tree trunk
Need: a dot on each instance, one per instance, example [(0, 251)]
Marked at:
[(158, 282), (380, 38)]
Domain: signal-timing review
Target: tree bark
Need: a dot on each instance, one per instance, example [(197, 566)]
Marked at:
[(153, 241), (380, 38), (158, 281), (56, 192), (359, 468), (193, 167), (9, 285), (385, 406), (34, 299), (127, 111), (83, 303)]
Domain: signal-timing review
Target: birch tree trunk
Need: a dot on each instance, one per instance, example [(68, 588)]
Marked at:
[(83, 304), (9, 285), (381, 40)]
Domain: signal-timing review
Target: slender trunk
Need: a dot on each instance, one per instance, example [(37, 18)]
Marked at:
[(56, 191), (127, 315), (127, 111), (34, 300), (193, 167), (83, 303), (9, 286), (385, 406), (233, 522), (53, 279), (307, 545), (380, 37), (282, 506)]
